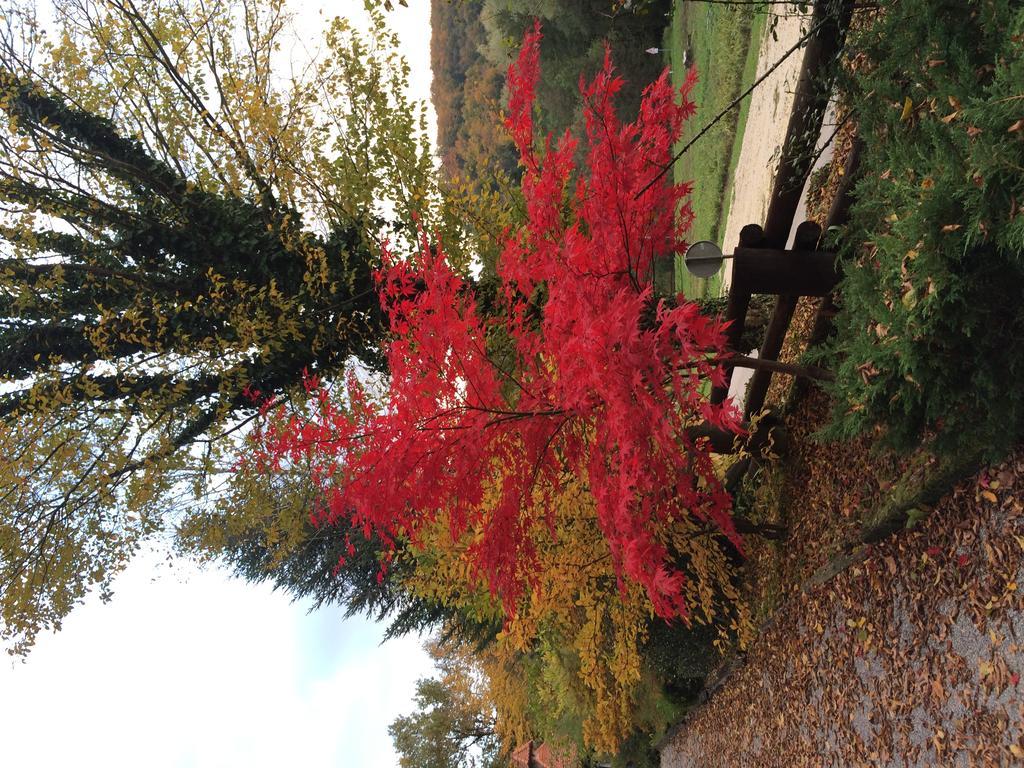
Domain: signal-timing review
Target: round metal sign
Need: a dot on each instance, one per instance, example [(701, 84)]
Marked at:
[(703, 258)]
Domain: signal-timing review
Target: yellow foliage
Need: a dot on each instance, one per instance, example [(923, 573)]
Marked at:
[(138, 386), (573, 649)]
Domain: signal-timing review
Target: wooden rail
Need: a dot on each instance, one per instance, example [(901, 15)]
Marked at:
[(760, 266)]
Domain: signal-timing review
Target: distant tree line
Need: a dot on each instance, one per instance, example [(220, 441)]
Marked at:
[(473, 42)]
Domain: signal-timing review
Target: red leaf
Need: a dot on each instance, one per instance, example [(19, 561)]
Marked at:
[(602, 393)]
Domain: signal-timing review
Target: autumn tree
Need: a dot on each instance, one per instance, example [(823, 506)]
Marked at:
[(183, 227), (453, 725), (506, 405), (570, 664)]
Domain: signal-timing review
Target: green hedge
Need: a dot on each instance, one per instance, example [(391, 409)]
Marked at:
[(931, 336)]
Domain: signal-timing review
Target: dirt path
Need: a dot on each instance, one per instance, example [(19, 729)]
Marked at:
[(912, 658), (765, 132)]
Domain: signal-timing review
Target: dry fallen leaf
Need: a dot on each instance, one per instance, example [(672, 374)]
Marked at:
[(908, 107)]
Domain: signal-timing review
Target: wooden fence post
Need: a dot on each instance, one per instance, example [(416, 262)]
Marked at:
[(807, 236)]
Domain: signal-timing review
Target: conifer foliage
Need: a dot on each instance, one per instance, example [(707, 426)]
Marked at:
[(485, 413), (176, 222)]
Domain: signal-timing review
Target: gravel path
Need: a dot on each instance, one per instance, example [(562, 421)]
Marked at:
[(912, 658), (765, 132)]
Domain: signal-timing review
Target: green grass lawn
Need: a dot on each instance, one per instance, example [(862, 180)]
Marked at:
[(724, 42)]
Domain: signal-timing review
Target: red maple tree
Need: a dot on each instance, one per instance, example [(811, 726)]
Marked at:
[(570, 376)]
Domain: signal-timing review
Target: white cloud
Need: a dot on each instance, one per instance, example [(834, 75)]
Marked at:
[(197, 669)]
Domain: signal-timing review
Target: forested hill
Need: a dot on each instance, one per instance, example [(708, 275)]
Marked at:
[(466, 90), (473, 42)]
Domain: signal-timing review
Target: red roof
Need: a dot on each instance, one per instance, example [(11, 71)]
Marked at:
[(528, 756), (556, 757), (522, 754)]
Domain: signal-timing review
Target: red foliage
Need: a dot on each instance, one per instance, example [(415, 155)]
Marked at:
[(592, 389)]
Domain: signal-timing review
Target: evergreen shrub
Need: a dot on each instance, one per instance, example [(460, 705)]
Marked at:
[(931, 337)]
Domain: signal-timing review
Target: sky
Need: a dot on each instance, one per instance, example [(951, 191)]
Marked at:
[(190, 668)]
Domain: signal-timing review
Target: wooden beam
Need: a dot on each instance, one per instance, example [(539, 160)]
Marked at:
[(781, 273), (838, 215), (808, 234), (812, 92), (751, 236), (774, 336)]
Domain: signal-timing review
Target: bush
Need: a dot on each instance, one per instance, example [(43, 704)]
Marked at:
[(931, 337)]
